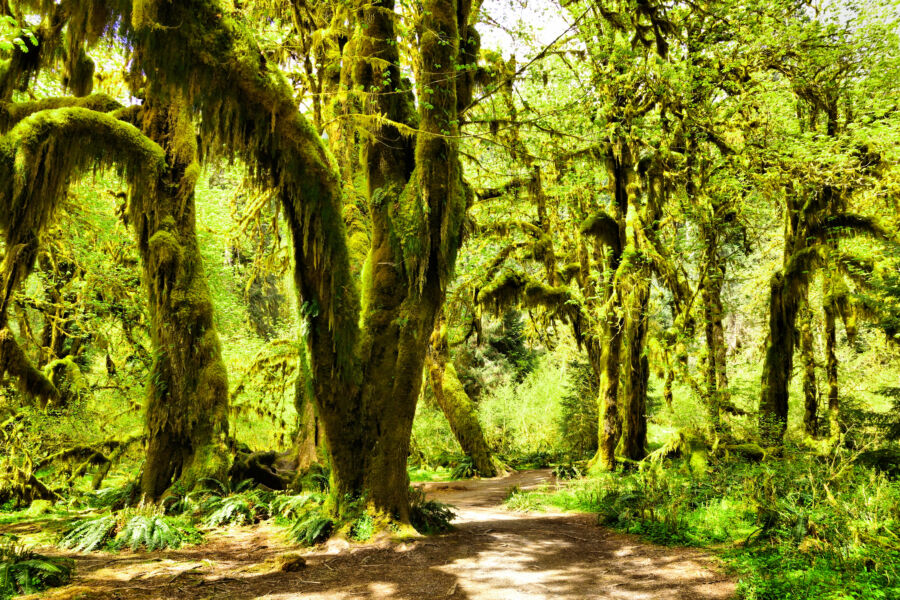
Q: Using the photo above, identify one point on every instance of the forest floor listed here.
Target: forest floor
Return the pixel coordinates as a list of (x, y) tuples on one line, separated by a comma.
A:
[(493, 554)]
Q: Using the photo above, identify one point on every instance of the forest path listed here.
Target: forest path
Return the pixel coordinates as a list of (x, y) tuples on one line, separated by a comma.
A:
[(493, 554)]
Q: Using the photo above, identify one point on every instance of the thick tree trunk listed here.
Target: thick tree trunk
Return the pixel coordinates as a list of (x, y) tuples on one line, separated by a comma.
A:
[(307, 440), (637, 376), (188, 392), (366, 379), (460, 411)]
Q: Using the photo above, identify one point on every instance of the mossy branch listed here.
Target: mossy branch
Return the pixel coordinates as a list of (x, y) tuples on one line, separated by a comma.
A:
[(11, 113), (851, 225)]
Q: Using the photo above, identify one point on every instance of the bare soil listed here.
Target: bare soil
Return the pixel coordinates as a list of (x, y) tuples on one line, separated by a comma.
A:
[(493, 554)]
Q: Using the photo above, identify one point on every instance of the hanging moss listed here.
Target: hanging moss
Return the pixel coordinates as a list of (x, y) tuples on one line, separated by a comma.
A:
[(78, 75), (187, 406), (37, 159), (13, 362), (504, 292)]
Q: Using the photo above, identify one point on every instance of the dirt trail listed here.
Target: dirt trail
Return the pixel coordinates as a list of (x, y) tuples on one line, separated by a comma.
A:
[(493, 554)]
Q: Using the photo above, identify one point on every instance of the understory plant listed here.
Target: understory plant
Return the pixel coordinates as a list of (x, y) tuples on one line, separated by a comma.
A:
[(800, 527), (23, 571)]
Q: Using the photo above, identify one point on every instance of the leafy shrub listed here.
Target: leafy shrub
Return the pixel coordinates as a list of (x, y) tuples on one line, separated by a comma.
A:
[(25, 572), (224, 504), (112, 498), (566, 471), (520, 419), (522, 501), (362, 528), (134, 529), (804, 527), (316, 479), (429, 516), (291, 507), (230, 510)]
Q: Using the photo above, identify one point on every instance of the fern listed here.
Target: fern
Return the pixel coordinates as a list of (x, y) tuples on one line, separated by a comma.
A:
[(291, 507), (566, 471), (429, 516), (89, 535), (464, 469), (25, 572), (154, 532), (112, 498), (231, 510), (316, 479), (313, 528)]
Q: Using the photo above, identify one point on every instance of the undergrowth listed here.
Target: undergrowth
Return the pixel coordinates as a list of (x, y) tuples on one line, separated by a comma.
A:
[(799, 528), (23, 571)]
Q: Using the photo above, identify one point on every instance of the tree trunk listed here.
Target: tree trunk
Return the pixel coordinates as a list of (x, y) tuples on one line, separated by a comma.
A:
[(810, 388), (188, 392), (831, 371), (307, 440), (779, 361), (460, 411), (637, 376), (621, 176), (366, 351)]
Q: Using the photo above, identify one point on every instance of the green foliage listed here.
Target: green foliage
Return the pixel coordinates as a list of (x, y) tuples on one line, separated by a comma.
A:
[(567, 471), (464, 469), (316, 479), (805, 527), (141, 528), (231, 510), (520, 501), (293, 506), (362, 528), (510, 342), (519, 419), (313, 527), (90, 534), (112, 498), (577, 421), (152, 532), (429, 516), (23, 571)]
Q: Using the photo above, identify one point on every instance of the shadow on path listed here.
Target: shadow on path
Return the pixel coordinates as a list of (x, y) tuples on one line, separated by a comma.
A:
[(493, 554)]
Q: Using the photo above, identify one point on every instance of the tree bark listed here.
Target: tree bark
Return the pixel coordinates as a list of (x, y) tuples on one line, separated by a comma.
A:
[(831, 371), (366, 351), (187, 401), (460, 411), (634, 405), (621, 176), (810, 387)]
